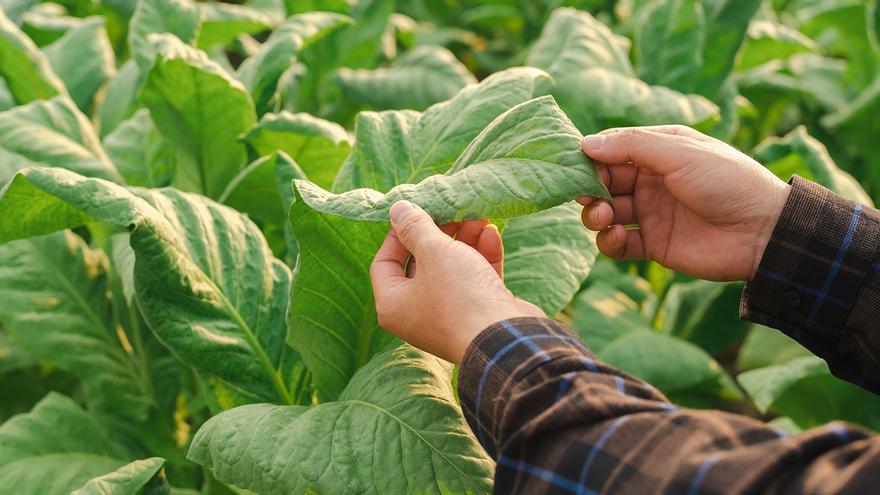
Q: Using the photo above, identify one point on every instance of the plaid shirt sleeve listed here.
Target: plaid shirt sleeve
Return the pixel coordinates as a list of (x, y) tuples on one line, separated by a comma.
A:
[(819, 281), (557, 420)]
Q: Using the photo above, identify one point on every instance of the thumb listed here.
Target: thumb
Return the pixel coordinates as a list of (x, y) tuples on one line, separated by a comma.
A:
[(415, 228), (656, 151)]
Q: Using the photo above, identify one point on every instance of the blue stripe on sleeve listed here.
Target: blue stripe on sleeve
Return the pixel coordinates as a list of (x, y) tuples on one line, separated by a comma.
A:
[(497, 357), (835, 265), (702, 471), (547, 475), (603, 439)]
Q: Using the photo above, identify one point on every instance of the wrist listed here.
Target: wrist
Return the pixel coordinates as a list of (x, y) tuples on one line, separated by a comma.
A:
[(474, 324), (775, 205)]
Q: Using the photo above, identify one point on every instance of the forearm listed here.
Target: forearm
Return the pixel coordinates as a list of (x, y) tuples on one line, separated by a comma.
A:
[(557, 419), (818, 281)]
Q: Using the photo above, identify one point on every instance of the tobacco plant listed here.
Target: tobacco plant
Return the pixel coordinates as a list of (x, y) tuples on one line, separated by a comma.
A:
[(192, 194)]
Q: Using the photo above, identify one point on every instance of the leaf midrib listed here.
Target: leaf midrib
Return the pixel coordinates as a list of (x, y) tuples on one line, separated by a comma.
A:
[(79, 301)]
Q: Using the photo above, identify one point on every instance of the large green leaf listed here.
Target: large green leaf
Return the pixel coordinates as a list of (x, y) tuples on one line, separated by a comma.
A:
[(332, 313), (525, 161), (6, 101), (573, 41), (356, 45), (53, 299), (603, 312), (160, 369), (142, 156), (318, 146), (53, 133), (528, 159), (55, 448), (727, 22), (595, 84), (262, 190), (120, 97), (842, 29), (395, 429), (812, 76), (398, 147), (142, 477), (12, 356), (301, 6), (704, 313), (201, 109), (768, 41), (681, 370), (417, 79), (669, 43), (25, 69), (222, 23), (83, 59), (766, 346), (177, 17), (15, 9), (799, 153), (261, 71), (806, 391), (856, 121), (206, 281), (45, 23), (547, 255)]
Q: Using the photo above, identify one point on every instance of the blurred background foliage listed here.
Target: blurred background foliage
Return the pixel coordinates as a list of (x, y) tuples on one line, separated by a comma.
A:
[(795, 83)]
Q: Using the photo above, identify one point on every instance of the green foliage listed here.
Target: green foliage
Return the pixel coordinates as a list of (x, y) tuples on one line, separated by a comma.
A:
[(804, 390), (192, 194), (77, 449), (432, 72), (406, 398)]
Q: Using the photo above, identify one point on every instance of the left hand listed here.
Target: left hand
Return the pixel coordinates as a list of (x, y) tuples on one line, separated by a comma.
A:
[(451, 289)]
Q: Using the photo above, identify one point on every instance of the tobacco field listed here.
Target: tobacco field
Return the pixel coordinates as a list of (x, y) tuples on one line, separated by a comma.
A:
[(191, 194)]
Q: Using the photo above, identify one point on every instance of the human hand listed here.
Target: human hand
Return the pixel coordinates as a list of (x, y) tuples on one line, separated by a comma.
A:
[(702, 207), (452, 288)]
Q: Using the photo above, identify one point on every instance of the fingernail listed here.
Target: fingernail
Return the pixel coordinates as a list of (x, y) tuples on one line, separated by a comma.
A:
[(594, 141), (401, 210)]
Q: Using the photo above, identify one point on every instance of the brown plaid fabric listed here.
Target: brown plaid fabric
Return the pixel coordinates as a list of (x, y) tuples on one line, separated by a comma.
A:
[(819, 282), (557, 420)]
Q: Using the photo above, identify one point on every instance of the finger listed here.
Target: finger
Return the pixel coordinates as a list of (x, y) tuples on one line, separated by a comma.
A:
[(598, 216), (585, 200), (387, 266), (624, 211), (620, 243), (655, 151), (672, 129), (490, 245), (618, 179), (415, 229), (622, 178), (470, 231), (450, 229)]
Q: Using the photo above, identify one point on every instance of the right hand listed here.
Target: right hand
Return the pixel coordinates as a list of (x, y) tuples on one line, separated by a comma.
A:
[(702, 207)]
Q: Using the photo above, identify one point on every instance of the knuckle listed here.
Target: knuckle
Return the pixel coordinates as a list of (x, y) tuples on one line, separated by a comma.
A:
[(681, 130), (408, 226), (632, 133)]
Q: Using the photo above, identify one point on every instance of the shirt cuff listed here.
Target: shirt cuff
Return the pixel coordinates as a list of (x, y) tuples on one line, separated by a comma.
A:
[(814, 267), (504, 354)]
